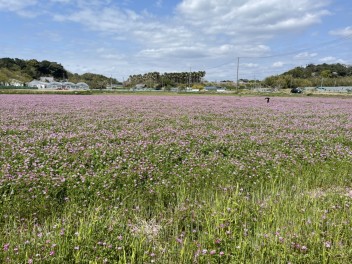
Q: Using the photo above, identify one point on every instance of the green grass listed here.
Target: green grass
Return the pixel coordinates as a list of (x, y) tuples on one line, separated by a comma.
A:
[(300, 220)]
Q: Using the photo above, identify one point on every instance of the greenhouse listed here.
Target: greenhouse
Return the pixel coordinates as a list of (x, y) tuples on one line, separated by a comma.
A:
[(68, 85), (338, 89), (37, 84), (58, 85), (54, 85), (82, 86)]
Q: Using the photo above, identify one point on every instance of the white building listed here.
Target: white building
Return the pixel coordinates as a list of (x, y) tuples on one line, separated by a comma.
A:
[(46, 79)]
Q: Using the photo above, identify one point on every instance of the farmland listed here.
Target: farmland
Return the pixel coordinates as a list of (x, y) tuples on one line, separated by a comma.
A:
[(175, 179)]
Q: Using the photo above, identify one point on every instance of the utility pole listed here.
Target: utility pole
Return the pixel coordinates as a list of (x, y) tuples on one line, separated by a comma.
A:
[(189, 77), (238, 68), (255, 82)]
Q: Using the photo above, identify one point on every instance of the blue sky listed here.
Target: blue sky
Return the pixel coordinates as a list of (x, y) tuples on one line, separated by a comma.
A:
[(120, 38)]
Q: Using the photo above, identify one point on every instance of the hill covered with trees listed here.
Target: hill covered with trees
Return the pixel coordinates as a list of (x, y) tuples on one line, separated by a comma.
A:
[(312, 76), (26, 70)]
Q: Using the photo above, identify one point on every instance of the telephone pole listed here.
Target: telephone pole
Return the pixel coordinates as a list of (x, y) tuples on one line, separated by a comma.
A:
[(238, 68), (189, 77)]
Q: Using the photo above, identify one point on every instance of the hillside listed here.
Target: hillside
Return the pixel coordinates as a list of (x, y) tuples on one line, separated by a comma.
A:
[(323, 70), (26, 70), (313, 75)]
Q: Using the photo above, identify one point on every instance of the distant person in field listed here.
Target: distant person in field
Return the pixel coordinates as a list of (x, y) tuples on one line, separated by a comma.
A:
[(267, 99)]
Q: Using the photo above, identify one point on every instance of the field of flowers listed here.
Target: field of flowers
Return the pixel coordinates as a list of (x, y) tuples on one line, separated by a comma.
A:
[(175, 179)]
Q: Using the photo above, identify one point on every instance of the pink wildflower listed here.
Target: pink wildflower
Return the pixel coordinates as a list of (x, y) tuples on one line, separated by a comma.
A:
[(6, 247)]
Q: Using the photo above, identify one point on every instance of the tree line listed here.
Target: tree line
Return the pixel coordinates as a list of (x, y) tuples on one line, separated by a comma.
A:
[(312, 76), (32, 69), (156, 79), (25, 71)]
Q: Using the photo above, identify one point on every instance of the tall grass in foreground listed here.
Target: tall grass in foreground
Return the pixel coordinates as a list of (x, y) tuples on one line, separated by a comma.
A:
[(142, 179)]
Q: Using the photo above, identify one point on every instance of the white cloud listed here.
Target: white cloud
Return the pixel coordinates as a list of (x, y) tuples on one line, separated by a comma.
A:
[(105, 20), (236, 17), (19, 6), (345, 32), (251, 65), (199, 32), (182, 52), (61, 1), (278, 64), (331, 59), (14, 5), (221, 22), (159, 3), (304, 55), (255, 50)]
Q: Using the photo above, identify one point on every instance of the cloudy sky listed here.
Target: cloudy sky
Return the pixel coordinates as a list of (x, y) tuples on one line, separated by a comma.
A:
[(123, 37)]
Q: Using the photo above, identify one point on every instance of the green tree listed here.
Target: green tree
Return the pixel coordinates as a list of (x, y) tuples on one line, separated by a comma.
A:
[(32, 69), (325, 74)]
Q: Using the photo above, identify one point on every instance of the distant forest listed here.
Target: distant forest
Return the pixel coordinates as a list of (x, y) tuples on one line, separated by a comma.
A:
[(27, 70), (309, 76), (158, 80), (312, 76)]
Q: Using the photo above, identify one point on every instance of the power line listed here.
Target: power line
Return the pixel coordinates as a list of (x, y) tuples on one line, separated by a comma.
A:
[(321, 45), (218, 66), (327, 43)]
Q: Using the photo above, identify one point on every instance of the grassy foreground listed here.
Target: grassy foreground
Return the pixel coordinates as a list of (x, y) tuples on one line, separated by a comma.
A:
[(175, 179)]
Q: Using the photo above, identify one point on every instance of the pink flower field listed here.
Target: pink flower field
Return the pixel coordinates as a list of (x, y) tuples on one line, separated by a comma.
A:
[(175, 179)]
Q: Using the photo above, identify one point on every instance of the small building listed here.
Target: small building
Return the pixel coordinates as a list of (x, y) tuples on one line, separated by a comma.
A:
[(140, 86), (37, 84), (221, 90), (264, 90), (192, 90), (175, 89), (46, 79), (211, 88)]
